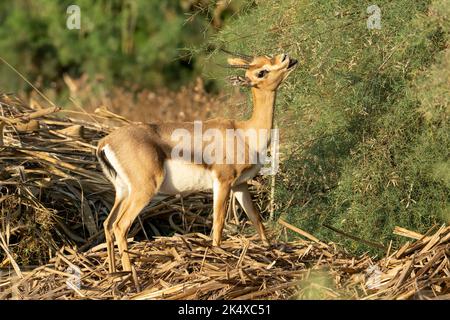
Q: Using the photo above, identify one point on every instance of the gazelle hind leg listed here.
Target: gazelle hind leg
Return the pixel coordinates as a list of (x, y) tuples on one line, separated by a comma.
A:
[(131, 209), (109, 234), (121, 193), (243, 196), (134, 203)]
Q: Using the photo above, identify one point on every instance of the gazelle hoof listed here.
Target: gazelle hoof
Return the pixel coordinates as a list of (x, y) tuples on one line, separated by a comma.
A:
[(266, 243)]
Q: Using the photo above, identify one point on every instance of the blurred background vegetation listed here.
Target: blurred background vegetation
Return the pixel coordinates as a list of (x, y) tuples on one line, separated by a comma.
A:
[(364, 119), (127, 43)]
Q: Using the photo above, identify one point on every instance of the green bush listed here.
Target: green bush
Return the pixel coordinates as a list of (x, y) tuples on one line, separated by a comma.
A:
[(364, 119), (128, 43)]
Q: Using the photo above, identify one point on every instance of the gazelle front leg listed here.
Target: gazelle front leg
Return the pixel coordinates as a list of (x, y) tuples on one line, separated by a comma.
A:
[(243, 196), (221, 192)]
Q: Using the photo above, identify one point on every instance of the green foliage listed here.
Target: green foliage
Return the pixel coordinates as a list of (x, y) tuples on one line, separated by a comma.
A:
[(128, 43), (364, 119)]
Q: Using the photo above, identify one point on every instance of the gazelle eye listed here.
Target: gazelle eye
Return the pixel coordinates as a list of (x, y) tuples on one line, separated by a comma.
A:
[(262, 73)]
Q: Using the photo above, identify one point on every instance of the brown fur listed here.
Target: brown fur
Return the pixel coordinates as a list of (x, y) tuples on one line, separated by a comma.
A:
[(142, 149)]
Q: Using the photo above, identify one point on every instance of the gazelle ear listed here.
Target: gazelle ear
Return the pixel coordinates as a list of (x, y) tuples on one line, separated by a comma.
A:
[(240, 81), (237, 62)]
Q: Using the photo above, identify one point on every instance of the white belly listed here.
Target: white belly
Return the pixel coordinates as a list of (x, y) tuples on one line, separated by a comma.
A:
[(181, 177)]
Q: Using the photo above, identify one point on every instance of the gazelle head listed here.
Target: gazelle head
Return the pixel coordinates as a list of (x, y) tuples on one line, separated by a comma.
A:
[(262, 72)]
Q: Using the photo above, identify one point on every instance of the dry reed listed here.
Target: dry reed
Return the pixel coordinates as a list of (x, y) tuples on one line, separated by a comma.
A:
[(53, 200)]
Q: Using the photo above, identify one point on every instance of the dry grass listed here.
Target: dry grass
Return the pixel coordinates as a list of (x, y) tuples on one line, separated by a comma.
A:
[(49, 175), (53, 200), (179, 267), (418, 270), (188, 267), (189, 103), (53, 193)]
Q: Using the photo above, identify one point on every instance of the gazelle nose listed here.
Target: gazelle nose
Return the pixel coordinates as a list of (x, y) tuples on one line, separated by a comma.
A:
[(284, 57)]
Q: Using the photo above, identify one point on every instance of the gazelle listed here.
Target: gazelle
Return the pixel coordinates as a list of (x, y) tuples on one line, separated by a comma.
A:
[(138, 159)]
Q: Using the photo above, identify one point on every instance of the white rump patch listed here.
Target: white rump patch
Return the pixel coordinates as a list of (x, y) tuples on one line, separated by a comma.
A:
[(121, 182)]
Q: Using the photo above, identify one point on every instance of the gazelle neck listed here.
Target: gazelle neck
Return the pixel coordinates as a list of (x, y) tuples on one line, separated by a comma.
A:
[(263, 108)]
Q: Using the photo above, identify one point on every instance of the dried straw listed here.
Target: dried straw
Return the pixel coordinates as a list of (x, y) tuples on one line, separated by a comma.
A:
[(53, 193), (54, 199)]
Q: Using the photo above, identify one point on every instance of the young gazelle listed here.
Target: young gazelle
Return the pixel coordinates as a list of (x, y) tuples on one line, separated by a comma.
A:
[(139, 161)]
